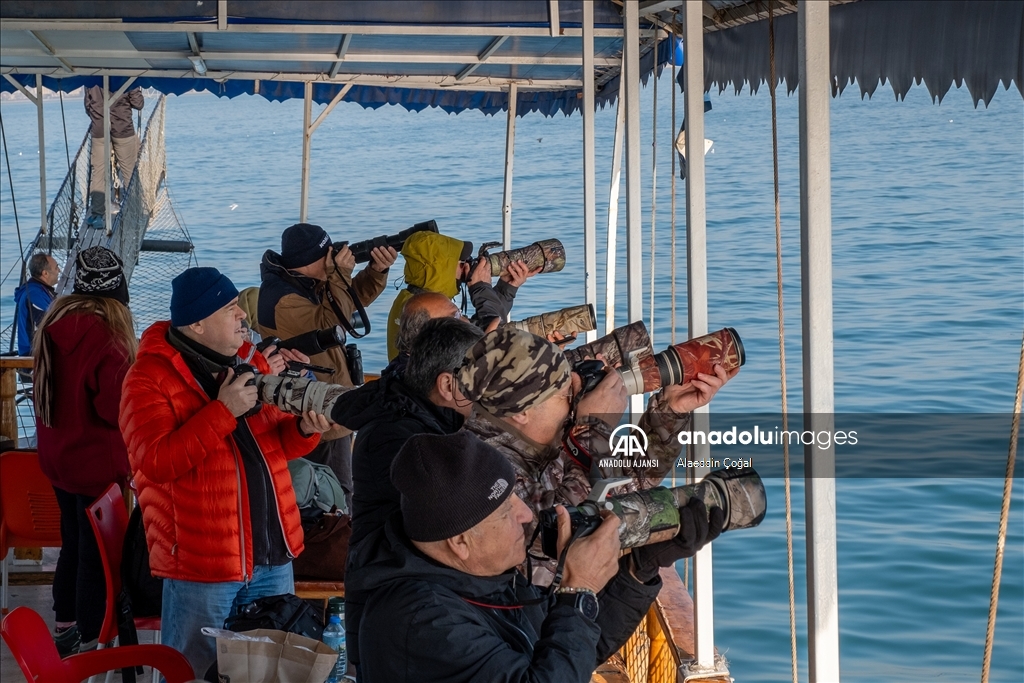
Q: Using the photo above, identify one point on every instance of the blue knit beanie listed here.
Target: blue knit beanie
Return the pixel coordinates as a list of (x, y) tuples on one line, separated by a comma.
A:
[(197, 293)]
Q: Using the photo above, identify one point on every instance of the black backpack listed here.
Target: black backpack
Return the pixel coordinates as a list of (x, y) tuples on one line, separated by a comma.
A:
[(144, 590), (285, 612)]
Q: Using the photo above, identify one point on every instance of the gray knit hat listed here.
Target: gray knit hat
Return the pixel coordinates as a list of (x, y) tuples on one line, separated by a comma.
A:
[(449, 484)]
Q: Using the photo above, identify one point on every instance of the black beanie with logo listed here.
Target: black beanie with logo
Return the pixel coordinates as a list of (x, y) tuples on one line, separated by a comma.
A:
[(303, 244), (449, 484)]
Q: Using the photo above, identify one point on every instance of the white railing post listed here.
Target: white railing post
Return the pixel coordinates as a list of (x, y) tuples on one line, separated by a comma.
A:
[(589, 185), (613, 213), (510, 152), (697, 304), (634, 217), (307, 135), (108, 179), (42, 154), (816, 303)]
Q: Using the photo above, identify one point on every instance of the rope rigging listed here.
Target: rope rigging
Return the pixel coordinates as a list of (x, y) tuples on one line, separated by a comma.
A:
[(17, 224), (782, 337), (1004, 518)]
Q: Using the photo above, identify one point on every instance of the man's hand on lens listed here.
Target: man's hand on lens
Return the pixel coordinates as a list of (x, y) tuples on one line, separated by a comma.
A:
[(275, 359), (381, 258), (518, 273), (313, 423), (698, 526), (481, 272), (343, 258), (560, 340), (593, 560), (234, 393), (685, 398), (607, 400)]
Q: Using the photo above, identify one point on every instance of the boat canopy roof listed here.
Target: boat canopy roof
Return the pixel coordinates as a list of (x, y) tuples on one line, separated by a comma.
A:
[(465, 55)]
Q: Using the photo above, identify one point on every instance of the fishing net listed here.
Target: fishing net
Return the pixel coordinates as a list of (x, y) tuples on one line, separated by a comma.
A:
[(146, 233)]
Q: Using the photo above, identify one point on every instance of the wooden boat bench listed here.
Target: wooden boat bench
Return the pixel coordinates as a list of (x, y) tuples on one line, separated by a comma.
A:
[(319, 590)]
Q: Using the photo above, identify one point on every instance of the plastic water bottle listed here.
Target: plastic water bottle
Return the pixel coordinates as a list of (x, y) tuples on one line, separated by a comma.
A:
[(334, 638)]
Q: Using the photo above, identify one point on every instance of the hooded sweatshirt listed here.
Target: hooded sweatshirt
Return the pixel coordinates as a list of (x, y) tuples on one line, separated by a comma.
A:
[(30, 303), (425, 621), (431, 265), (83, 453)]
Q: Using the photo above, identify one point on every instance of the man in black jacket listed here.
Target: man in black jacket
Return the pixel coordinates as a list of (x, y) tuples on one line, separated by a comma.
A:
[(446, 602), (423, 399)]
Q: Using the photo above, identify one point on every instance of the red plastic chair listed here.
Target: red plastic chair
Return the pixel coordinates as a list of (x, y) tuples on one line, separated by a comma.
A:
[(29, 515), (32, 646), (109, 521)]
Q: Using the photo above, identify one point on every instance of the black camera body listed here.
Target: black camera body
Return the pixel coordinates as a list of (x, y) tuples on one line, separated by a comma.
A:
[(580, 517), (591, 373), (361, 250)]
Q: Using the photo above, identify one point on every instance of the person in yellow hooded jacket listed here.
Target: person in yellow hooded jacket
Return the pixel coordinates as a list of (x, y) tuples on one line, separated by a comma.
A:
[(438, 263)]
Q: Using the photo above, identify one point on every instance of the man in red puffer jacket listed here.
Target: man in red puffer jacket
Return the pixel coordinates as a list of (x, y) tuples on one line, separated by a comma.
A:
[(210, 464)]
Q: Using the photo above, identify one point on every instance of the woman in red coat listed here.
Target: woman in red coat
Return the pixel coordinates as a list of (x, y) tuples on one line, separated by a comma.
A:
[(85, 344)]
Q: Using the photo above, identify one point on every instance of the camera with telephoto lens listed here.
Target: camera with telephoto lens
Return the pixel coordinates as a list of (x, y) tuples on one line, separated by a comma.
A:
[(566, 321), (361, 250), (652, 515), (291, 392), (548, 255), (629, 351), (309, 343)]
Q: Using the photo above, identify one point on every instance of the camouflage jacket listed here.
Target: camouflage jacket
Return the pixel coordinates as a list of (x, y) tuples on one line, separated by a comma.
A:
[(547, 475)]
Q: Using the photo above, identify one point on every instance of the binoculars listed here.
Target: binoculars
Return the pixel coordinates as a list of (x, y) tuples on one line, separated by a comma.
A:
[(652, 515), (568, 321), (628, 349), (361, 250), (548, 255)]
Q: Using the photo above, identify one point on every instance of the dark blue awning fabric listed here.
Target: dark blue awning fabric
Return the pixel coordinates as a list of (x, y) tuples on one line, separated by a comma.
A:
[(979, 43)]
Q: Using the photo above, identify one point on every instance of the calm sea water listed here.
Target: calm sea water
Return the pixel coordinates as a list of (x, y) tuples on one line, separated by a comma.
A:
[(928, 259)]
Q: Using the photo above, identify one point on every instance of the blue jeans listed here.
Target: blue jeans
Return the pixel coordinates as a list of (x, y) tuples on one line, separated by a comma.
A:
[(189, 606)]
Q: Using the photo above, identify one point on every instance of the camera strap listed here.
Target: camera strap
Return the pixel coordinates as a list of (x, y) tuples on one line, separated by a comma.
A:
[(559, 568), (342, 318), (575, 450)]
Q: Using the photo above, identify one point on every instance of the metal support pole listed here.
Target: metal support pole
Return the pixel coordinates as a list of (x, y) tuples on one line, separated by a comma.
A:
[(697, 299), (613, 213), (510, 151), (307, 135), (42, 153), (589, 186), (654, 189), (816, 304), (109, 181), (634, 217)]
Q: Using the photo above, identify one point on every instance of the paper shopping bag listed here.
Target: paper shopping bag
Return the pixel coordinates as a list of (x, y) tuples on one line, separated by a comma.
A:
[(267, 656)]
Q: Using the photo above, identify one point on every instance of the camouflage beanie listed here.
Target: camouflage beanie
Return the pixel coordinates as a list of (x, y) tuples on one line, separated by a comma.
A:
[(509, 370)]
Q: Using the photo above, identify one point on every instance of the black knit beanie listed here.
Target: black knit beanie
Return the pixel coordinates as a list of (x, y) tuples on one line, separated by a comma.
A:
[(449, 484), (302, 244), (99, 272)]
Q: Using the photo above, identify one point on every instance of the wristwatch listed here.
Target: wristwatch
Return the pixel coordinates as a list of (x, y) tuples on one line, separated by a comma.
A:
[(582, 600)]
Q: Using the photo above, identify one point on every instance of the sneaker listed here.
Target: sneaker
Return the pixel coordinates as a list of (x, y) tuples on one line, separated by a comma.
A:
[(67, 641), (95, 221)]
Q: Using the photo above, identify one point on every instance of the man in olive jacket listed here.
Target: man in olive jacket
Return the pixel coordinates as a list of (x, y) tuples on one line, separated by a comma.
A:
[(310, 286)]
